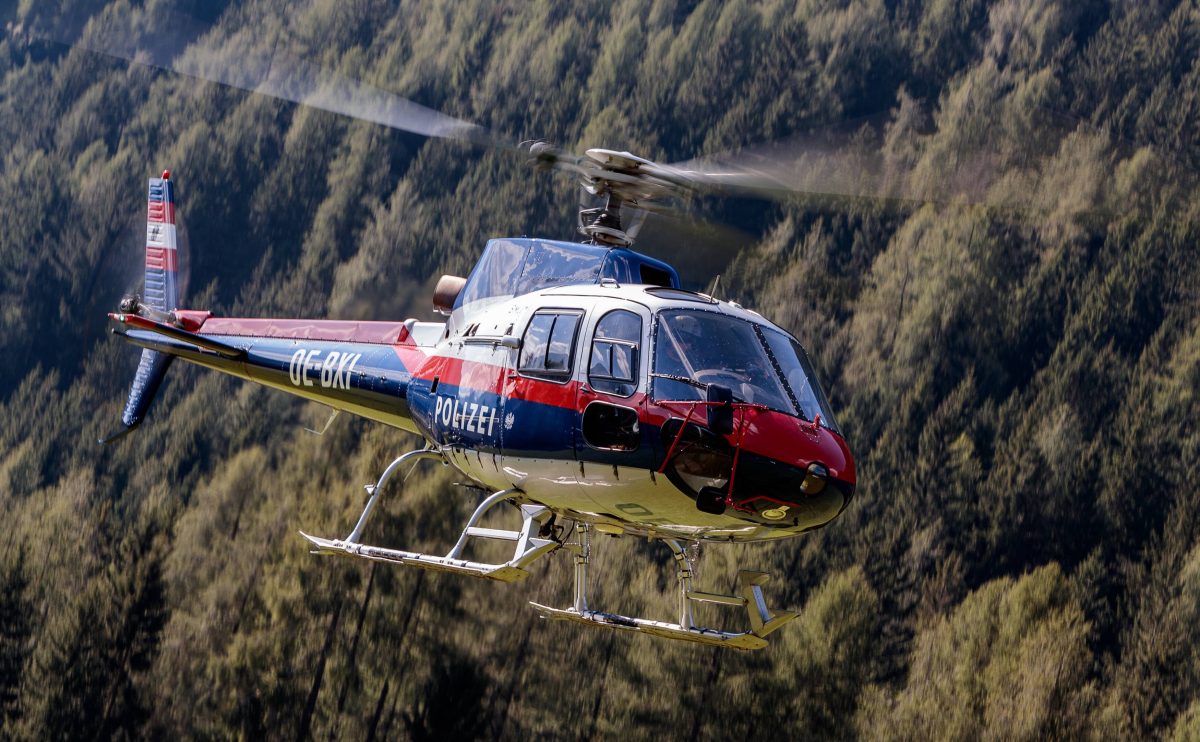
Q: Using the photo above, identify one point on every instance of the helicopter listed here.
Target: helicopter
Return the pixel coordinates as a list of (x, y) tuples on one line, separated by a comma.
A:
[(578, 383), (575, 381)]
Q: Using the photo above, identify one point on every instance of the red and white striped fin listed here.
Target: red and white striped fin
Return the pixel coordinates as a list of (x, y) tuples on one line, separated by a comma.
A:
[(162, 258)]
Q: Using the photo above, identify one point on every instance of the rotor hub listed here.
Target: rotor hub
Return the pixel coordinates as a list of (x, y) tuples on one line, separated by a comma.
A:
[(621, 178)]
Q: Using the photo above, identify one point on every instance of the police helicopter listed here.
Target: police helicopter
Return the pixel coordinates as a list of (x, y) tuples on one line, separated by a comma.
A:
[(577, 382)]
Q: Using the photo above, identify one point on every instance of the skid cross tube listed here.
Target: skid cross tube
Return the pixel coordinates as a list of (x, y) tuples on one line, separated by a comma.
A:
[(683, 572), (529, 546), (582, 556), (373, 489)]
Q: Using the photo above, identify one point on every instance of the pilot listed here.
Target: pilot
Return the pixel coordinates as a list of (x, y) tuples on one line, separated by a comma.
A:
[(686, 332), (669, 361), (689, 332)]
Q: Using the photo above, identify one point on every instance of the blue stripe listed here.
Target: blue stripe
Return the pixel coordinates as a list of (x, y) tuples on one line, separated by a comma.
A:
[(161, 191), (537, 430)]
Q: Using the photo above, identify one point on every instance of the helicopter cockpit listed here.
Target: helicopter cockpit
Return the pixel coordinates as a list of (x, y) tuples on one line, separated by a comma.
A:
[(760, 365)]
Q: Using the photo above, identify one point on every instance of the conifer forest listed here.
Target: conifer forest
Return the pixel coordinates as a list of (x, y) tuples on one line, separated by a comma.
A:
[(995, 271)]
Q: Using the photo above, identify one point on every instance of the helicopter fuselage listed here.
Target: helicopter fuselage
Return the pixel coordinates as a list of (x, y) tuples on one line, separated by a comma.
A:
[(564, 394)]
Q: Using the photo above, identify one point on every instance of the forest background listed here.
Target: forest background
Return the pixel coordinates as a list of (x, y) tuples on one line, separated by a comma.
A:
[(1015, 362)]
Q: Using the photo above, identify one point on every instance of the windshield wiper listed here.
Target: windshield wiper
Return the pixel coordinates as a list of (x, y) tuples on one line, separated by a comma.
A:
[(680, 379), (691, 382)]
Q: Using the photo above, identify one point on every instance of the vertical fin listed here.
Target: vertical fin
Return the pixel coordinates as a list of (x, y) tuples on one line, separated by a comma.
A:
[(161, 292), (162, 262), (149, 377)]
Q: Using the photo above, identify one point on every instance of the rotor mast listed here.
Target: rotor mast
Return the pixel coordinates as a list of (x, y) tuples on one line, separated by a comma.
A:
[(603, 224), (621, 178)]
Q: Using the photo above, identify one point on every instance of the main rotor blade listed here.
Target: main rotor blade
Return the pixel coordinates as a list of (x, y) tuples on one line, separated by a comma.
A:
[(855, 170), (192, 50), (888, 162)]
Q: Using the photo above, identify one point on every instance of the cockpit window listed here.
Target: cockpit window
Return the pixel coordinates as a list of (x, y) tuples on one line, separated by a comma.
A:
[(512, 267), (695, 348), (553, 265), (493, 275), (798, 374)]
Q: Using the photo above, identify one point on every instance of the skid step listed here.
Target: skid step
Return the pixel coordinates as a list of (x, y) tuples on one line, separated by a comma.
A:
[(654, 628)]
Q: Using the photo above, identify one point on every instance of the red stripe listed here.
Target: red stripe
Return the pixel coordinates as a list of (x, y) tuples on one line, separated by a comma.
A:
[(158, 212), (162, 258), (412, 356), (487, 377), (768, 433)]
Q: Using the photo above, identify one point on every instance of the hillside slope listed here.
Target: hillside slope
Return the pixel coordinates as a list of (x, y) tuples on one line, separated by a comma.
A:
[(1020, 385)]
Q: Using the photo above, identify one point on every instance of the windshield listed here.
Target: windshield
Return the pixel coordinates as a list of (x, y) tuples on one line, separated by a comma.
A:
[(798, 375), (693, 349)]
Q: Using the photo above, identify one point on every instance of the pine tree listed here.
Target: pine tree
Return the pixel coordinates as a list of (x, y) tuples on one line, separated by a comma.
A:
[(16, 626), (84, 680)]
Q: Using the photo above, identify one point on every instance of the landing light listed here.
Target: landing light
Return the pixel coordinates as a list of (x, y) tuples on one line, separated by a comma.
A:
[(814, 480)]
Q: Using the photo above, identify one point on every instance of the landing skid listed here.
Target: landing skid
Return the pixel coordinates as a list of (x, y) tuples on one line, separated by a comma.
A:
[(654, 628), (528, 547), (531, 544), (762, 620)]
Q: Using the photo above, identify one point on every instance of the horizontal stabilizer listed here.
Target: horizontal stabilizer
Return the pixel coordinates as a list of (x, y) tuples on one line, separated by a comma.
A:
[(176, 333)]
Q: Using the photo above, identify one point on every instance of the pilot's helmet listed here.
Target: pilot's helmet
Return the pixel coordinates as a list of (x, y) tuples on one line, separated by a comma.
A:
[(688, 326)]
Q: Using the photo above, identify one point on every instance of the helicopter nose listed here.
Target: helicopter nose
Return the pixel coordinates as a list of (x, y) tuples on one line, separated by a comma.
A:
[(776, 471), (791, 473), (777, 493)]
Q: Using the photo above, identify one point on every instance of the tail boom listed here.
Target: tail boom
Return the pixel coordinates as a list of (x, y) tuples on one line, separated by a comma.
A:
[(360, 367)]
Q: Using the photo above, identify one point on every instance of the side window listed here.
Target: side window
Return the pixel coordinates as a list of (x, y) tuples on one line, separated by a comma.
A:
[(548, 345), (613, 366)]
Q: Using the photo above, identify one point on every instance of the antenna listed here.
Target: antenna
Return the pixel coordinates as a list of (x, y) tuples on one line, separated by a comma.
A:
[(712, 290)]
